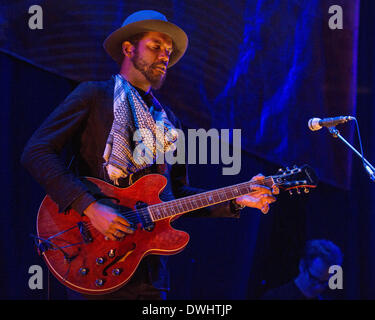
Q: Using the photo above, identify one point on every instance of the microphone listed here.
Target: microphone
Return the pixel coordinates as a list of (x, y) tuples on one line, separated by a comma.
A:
[(317, 123)]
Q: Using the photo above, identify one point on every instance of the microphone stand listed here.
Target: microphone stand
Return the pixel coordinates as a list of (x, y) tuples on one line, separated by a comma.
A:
[(369, 168)]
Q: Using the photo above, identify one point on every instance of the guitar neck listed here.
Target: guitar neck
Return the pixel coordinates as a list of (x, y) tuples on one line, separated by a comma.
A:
[(183, 205)]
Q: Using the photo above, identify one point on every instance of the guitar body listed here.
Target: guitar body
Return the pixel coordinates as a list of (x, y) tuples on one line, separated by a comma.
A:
[(82, 259)]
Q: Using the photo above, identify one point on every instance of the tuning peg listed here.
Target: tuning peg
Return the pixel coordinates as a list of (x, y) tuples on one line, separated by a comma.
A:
[(298, 191), (296, 169), (306, 190), (291, 192)]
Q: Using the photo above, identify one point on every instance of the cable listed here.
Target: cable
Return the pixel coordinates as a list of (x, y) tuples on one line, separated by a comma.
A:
[(365, 165), (360, 141)]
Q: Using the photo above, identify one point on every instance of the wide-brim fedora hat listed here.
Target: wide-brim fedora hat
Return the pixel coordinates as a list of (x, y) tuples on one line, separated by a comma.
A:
[(143, 21)]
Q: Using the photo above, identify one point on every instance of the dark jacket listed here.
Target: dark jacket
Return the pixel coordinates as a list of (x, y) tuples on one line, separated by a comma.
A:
[(83, 121)]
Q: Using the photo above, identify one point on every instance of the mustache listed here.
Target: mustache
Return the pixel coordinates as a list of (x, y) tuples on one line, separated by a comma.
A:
[(159, 64)]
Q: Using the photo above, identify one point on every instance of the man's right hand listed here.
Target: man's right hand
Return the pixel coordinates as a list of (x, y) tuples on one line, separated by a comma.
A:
[(107, 221)]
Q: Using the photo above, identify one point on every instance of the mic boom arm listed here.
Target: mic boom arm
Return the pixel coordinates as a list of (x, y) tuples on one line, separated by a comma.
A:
[(369, 168)]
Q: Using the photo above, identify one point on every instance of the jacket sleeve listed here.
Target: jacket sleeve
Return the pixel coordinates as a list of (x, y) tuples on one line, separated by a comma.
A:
[(42, 153)]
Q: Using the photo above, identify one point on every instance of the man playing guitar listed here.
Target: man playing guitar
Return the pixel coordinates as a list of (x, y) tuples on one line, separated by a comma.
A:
[(90, 119)]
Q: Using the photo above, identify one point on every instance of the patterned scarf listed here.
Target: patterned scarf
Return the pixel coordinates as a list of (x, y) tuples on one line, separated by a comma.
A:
[(139, 135)]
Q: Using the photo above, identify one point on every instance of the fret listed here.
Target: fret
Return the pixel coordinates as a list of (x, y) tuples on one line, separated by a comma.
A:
[(210, 199), (200, 202), (242, 190), (215, 197), (205, 202), (227, 194), (188, 205), (161, 213), (180, 207), (194, 203), (235, 191), (200, 205), (223, 195), (192, 207), (184, 206), (172, 209), (247, 188), (175, 208), (151, 211), (169, 209), (156, 213), (162, 209), (204, 199)]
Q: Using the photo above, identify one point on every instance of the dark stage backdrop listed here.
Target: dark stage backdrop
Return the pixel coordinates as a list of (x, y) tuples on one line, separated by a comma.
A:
[(263, 66)]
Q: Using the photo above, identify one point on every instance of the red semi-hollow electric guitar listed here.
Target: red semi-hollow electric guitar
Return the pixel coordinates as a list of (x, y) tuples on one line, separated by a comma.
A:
[(80, 257)]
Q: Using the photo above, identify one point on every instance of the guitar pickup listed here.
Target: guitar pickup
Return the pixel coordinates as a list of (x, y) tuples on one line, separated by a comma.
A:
[(85, 233)]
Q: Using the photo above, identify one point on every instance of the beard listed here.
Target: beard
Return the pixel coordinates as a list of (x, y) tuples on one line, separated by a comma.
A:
[(155, 78)]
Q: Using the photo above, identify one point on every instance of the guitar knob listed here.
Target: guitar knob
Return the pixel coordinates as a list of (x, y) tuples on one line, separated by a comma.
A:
[(83, 271), (99, 260), (111, 253), (298, 191), (291, 192), (116, 272), (99, 282), (306, 190)]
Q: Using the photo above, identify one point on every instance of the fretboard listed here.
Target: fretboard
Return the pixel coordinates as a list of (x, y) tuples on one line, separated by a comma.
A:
[(179, 206)]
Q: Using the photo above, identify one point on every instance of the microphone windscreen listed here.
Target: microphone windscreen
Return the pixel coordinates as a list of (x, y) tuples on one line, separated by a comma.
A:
[(314, 124)]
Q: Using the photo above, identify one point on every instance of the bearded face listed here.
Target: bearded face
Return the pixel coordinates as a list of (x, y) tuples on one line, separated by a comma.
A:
[(148, 54), (154, 72)]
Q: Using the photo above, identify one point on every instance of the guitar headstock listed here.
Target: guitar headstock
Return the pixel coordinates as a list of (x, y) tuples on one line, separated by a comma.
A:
[(297, 178)]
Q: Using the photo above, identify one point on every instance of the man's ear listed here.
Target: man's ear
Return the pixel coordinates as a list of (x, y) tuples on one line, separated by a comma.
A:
[(127, 49)]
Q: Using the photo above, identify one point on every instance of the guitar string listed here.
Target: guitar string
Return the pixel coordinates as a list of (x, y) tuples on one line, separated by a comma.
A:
[(178, 203), (144, 213)]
